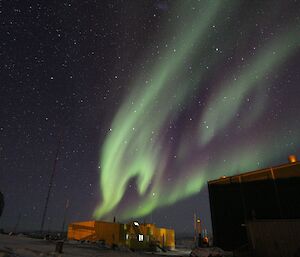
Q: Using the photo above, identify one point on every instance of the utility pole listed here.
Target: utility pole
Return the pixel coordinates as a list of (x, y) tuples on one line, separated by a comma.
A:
[(50, 184), (199, 233), (65, 215), (195, 230)]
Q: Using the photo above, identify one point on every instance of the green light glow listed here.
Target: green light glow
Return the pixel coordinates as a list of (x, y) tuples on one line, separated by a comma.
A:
[(225, 105), (134, 148)]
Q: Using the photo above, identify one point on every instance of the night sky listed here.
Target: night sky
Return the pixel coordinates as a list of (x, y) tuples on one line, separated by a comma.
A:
[(145, 101)]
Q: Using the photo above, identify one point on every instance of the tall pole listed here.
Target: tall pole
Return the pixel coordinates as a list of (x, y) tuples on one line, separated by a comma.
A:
[(50, 184), (65, 215), (195, 230), (199, 232)]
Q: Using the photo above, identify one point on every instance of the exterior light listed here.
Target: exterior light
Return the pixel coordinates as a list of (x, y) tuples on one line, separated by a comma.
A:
[(292, 158)]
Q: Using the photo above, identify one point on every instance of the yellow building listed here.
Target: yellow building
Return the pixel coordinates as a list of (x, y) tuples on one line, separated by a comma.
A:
[(133, 235), (164, 238), (110, 233)]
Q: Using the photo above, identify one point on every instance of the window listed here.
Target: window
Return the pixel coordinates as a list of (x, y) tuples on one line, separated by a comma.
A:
[(141, 237)]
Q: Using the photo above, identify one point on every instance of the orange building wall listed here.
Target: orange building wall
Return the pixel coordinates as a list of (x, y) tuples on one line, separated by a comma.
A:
[(82, 231), (165, 237), (96, 231), (115, 233), (109, 232)]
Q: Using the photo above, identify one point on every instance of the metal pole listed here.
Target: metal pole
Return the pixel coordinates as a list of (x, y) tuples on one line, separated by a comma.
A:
[(65, 215), (50, 185), (195, 230)]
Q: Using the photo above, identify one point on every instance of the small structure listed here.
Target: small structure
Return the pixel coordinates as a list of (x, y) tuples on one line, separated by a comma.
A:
[(132, 235), (267, 194)]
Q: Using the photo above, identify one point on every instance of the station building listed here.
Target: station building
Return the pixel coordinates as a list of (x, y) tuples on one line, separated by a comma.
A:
[(267, 195), (132, 235)]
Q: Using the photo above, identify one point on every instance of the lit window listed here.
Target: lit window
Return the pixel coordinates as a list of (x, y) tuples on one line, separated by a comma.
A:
[(141, 238)]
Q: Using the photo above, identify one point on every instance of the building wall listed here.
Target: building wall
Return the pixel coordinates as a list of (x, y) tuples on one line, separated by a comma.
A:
[(82, 231), (143, 236), (227, 216), (1, 203), (166, 238), (274, 238), (163, 236), (110, 233), (272, 193)]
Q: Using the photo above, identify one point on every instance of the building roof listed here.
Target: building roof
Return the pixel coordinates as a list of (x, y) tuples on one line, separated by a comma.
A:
[(282, 171)]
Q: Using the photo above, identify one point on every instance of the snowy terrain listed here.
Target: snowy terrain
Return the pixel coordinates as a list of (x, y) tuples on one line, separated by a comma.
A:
[(22, 246)]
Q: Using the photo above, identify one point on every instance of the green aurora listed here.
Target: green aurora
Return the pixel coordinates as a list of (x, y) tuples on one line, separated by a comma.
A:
[(136, 146)]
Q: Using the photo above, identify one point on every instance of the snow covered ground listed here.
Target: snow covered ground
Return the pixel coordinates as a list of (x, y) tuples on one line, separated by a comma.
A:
[(22, 246)]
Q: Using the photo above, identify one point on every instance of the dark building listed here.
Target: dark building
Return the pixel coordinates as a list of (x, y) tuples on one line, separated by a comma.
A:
[(1, 203), (267, 194)]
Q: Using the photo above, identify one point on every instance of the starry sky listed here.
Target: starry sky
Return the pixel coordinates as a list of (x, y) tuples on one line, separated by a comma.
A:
[(145, 101)]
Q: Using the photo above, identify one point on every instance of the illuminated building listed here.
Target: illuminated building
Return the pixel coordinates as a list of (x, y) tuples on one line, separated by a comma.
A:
[(133, 235)]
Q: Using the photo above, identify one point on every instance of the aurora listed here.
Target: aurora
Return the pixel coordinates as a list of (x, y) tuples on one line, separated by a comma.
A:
[(139, 145)]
